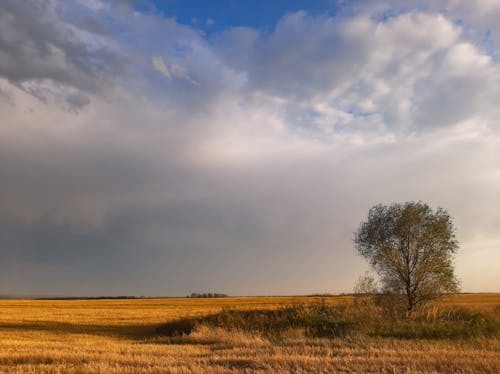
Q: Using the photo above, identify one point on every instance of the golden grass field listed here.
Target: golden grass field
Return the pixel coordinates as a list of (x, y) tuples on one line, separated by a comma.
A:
[(118, 336)]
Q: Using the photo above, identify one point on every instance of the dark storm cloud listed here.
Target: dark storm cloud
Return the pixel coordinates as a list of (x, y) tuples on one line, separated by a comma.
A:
[(36, 45), (47, 241)]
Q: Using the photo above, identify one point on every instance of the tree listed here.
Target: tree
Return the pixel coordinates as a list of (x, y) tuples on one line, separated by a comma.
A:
[(366, 284), (411, 247)]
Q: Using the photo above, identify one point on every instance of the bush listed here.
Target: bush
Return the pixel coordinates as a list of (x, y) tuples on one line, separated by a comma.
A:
[(179, 327), (443, 324), (317, 320), (391, 306), (363, 317)]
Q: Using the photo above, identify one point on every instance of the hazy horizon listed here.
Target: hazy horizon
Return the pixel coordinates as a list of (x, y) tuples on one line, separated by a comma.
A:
[(167, 147)]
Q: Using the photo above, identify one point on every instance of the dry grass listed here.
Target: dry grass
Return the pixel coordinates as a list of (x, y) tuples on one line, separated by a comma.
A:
[(119, 336)]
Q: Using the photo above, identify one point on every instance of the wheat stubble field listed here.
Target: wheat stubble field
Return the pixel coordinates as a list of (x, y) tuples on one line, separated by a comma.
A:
[(120, 336)]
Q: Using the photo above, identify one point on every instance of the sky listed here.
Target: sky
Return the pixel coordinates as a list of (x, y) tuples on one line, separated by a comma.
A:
[(169, 147)]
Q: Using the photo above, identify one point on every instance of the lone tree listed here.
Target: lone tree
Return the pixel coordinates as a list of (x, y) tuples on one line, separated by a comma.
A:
[(411, 247)]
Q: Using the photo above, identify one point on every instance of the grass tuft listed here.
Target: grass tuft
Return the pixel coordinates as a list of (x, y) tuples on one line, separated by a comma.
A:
[(321, 320)]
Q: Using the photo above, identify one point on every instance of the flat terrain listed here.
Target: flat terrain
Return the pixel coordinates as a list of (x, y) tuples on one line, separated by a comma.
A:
[(119, 336)]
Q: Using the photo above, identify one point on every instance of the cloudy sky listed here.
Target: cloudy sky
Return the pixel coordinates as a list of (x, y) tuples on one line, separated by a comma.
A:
[(161, 148)]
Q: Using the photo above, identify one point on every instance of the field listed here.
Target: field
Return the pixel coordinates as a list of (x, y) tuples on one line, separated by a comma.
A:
[(120, 336)]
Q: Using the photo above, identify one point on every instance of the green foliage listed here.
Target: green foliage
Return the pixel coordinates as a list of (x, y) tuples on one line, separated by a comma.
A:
[(363, 317), (411, 247), (178, 327), (451, 324), (317, 320)]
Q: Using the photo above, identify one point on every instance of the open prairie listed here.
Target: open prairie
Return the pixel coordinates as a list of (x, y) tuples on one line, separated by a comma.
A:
[(120, 336)]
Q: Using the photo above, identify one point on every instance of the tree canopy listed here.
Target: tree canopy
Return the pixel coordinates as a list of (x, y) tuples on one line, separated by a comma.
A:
[(411, 247)]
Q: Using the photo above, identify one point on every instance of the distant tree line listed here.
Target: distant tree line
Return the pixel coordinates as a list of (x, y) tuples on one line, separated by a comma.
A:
[(86, 297), (196, 295)]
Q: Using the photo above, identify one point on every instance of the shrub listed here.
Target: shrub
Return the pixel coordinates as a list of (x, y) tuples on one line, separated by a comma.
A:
[(363, 317), (183, 326), (442, 324), (317, 320)]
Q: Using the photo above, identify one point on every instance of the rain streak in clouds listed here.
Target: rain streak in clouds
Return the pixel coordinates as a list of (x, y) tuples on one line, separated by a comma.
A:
[(139, 155)]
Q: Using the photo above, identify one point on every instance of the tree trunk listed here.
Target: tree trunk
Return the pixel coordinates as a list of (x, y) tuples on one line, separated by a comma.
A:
[(411, 304)]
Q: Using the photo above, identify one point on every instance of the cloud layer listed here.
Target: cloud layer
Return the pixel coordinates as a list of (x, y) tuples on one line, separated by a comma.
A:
[(140, 156)]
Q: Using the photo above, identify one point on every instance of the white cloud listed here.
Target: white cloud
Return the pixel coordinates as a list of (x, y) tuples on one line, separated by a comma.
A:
[(160, 66), (377, 69)]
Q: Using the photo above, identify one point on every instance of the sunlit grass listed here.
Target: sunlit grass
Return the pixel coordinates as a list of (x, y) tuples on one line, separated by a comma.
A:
[(119, 336)]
